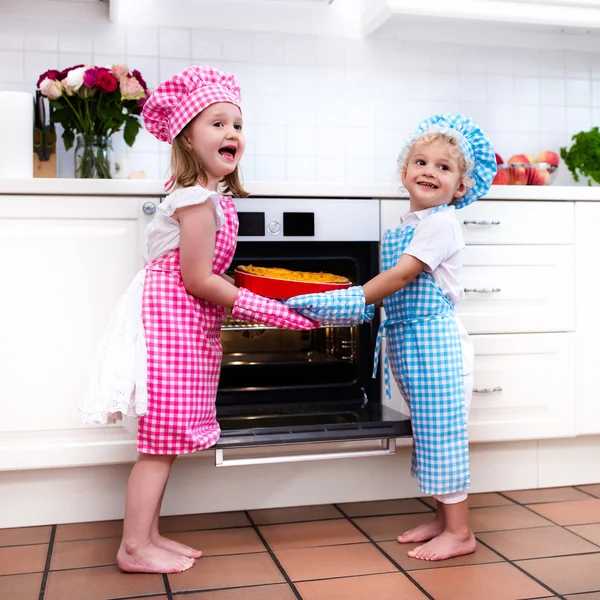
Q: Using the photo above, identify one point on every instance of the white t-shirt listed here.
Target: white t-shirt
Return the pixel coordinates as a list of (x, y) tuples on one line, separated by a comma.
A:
[(438, 241)]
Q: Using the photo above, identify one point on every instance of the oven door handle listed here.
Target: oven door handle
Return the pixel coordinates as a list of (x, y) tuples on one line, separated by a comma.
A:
[(388, 447)]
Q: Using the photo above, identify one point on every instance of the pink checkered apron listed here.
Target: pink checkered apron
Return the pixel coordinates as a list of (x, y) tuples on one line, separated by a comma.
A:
[(184, 352)]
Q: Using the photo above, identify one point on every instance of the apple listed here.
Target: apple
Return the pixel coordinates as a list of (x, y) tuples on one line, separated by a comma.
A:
[(501, 177), (518, 169), (538, 176), (499, 160), (548, 157)]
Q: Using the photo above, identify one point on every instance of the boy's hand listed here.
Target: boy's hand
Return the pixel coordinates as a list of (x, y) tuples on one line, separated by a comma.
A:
[(340, 307)]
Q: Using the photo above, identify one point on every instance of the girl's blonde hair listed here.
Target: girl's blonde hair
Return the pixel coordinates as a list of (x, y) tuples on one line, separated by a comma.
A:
[(187, 170), (429, 137)]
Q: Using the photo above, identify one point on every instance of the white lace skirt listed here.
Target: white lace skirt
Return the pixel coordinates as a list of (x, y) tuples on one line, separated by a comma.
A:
[(117, 386)]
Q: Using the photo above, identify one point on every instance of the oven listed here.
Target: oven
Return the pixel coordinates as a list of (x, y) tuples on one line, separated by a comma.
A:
[(281, 387)]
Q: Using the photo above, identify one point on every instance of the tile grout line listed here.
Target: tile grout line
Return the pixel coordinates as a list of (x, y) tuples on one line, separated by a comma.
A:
[(167, 585), (529, 575), (585, 492), (47, 565), (273, 557), (382, 551)]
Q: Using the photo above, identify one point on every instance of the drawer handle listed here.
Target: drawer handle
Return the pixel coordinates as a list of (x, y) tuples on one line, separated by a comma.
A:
[(487, 390), (483, 290), (484, 222)]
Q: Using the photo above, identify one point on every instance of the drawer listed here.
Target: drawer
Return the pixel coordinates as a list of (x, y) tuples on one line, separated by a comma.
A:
[(524, 387), (502, 222), (518, 289), (518, 222)]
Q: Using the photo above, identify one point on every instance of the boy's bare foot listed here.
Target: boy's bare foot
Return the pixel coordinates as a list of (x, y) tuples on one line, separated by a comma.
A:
[(446, 545), (150, 559), (422, 533), (175, 547)]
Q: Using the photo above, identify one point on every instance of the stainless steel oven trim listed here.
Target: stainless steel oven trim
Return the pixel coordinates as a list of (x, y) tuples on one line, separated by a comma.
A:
[(388, 447)]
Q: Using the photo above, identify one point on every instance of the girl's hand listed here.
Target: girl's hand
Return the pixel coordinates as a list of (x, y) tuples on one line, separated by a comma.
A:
[(253, 308), (339, 307)]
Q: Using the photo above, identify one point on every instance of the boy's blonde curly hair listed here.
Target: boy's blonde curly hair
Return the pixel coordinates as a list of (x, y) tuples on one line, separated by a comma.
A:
[(431, 136)]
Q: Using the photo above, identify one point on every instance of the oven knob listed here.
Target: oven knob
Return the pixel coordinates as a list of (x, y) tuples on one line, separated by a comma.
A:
[(149, 208), (274, 227)]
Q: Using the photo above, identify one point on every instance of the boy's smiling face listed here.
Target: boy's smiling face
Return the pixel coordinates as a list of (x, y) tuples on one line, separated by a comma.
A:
[(432, 176)]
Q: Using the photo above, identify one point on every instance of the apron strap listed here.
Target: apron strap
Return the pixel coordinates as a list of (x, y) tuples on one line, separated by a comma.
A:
[(386, 361)]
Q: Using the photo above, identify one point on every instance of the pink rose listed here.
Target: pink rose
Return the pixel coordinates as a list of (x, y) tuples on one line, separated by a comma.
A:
[(139, 77), (106, 81), (51, 88), (119, 70), (90, 77), (131, 89)]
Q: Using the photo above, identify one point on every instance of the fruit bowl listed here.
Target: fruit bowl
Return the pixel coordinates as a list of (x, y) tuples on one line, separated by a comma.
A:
[(529, 173), (522, 170)]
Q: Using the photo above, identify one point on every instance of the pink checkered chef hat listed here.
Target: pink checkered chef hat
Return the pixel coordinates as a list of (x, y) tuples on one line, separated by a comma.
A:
[(175, 102)]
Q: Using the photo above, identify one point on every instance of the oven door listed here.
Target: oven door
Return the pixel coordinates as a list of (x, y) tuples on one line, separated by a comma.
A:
[(285, 388)]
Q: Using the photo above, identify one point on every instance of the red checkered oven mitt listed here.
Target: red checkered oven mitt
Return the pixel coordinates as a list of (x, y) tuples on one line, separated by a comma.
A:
[(253, 308)]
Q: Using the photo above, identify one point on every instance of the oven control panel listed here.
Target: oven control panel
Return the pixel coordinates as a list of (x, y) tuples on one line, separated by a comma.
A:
[(308, 219)]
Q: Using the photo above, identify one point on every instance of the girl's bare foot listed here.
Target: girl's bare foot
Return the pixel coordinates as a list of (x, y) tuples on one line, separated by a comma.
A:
[(175, 547), (150, 559), (422, 533), (446, 545)]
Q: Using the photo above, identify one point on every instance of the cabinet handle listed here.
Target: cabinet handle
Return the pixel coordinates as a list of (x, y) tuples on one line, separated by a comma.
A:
[(487, 390), (149, 208), (483, 290), (484, 222)]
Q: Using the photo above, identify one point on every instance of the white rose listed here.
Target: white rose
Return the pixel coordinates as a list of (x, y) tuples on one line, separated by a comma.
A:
[(75, 78), (51, 89)]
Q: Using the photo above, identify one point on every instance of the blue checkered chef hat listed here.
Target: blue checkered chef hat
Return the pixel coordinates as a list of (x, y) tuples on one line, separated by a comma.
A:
[(475, 145)]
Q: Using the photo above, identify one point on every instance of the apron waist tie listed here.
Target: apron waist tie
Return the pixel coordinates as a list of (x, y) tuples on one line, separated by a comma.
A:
[(381, 333)]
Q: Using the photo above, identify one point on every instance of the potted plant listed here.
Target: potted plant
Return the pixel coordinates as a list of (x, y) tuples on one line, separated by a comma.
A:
[(583, 157), (92, 103)]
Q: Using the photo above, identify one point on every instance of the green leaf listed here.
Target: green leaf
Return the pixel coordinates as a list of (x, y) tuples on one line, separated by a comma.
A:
[(132, 126), (68, 138)]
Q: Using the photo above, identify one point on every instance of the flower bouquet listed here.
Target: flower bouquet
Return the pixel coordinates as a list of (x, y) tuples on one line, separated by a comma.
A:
[(91, 104)]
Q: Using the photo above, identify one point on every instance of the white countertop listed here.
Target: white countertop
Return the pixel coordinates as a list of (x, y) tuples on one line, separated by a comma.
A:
[(152, 187)]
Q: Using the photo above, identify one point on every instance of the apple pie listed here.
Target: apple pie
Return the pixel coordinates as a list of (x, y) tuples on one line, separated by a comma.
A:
[(307, 276)]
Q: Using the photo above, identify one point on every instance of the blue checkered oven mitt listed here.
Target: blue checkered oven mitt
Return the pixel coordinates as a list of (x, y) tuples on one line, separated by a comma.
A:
[(339, 307)]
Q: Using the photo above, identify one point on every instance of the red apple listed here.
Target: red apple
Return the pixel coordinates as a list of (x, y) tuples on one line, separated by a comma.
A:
[(518, 169), (538, 175), (548, 157), (501, 177), (499, 160)]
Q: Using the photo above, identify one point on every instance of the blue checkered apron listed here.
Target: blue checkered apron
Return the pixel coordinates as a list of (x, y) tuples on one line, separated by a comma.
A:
[(425, 357)]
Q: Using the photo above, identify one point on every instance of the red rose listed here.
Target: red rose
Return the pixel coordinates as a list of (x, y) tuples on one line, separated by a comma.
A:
[(106, 81), (51, 74)]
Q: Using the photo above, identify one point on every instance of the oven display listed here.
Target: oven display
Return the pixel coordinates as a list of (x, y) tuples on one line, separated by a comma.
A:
[(251, 224), (296, 224)]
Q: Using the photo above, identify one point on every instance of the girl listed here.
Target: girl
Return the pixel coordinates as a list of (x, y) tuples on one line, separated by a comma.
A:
[(160, 358), (447, 164)]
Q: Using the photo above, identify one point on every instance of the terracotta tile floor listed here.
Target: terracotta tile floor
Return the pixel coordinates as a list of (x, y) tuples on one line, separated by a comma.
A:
[(533, 544)]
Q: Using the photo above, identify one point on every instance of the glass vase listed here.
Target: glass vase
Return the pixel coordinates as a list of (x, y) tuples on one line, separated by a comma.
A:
[(92, 157)]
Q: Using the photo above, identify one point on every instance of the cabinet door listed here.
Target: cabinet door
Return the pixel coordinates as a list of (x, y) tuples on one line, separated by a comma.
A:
[(518, 289), (587, 310), (66, 262), (523, 387)]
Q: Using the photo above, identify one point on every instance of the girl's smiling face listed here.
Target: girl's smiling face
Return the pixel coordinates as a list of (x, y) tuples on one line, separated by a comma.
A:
[(217, 137), (432, 176)]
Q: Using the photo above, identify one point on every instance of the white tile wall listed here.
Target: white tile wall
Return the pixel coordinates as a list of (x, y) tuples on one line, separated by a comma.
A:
[(326, 108)]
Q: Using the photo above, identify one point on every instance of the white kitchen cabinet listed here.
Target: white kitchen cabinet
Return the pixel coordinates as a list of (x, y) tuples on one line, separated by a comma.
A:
[(587, 311), (535, 15), (73, 258)]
